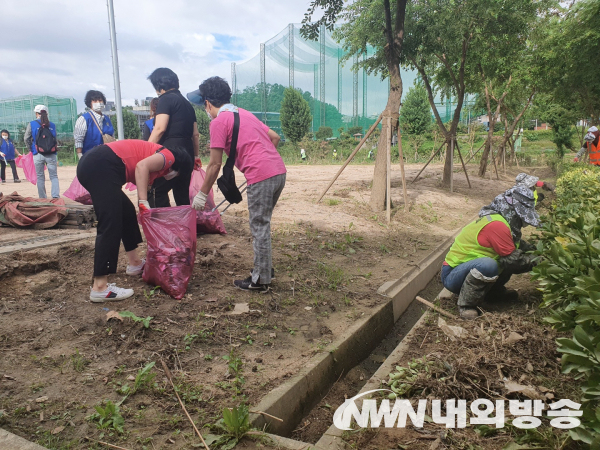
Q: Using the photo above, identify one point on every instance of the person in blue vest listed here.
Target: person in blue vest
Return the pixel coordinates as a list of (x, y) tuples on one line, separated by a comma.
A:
[(40, 136), (92, 125), (149, 124), (8, 153)]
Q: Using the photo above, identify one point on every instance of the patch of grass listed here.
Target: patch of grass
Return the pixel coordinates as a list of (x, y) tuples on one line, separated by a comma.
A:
[(235, 366), (136, 319), (333, 277), (332, 202), (78, 361)]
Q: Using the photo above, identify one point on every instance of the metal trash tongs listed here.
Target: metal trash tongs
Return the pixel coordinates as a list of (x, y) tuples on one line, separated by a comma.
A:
[(241, 192)]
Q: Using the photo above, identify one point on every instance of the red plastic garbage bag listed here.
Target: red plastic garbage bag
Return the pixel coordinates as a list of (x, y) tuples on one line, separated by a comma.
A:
[(171, 237), (78, 193), (207, 221), (26, 163)]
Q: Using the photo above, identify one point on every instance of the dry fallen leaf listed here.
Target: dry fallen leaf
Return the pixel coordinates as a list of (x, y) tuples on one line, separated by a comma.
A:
[(240, 308), (453, 332), (211, 299), (41, 399), (272, 335), (8, 377), (130, 378), (528, 391), (529, 367), (513, 337), (113, 315), (308, 308), (42, 416), (57, 430)]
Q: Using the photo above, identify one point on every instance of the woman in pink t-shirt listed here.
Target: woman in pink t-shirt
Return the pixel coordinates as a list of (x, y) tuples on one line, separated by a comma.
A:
[(257, 158)]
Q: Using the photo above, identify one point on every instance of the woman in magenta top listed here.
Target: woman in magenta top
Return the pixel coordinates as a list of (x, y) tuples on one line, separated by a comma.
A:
[(103, 171), (257, 158)]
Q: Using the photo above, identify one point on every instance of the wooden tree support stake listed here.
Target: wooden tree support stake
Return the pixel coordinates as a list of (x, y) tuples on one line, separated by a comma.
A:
[(463, 164), (262, 413), (169, 377), (352, 155), (475, 154), (389, 171), (402, 170), (105, 443), (427, 163), (436, 309)]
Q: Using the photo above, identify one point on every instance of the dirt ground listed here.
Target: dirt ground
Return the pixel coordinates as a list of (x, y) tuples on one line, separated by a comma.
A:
[(61, 357)]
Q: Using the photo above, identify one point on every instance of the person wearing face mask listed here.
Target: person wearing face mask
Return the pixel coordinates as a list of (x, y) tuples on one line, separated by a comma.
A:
[(92, 127), (149, 124), (103, 172), (174, 126), (592, 144), (8, 153), (256, 157), (40, 136)]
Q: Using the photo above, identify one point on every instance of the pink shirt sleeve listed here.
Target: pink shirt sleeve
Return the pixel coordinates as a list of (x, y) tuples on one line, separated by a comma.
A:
[(218, 133)]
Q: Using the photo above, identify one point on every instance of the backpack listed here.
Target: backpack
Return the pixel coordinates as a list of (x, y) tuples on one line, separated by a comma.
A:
[(45, 142)]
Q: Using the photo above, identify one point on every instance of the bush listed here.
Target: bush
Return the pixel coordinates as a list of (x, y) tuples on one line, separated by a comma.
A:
[(539, 135), (324, 133), (570, 280)]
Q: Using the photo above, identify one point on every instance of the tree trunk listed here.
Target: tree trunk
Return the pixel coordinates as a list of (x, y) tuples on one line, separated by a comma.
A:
[(378, 191)]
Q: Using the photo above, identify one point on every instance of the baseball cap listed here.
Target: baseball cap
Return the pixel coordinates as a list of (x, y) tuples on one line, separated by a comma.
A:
[(39, 108)]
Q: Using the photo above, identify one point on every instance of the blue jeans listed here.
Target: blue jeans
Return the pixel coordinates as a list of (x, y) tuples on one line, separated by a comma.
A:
[(40, 161), (453, 278)]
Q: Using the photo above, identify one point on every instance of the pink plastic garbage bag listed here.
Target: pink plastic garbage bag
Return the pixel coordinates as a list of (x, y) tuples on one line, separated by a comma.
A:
[(78, 193), (130, 187), (171, 238), (207, 221), (26, 163)]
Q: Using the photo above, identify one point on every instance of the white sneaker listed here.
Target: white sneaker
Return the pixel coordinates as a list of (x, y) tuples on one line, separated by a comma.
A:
[(110, 294), (136, 270)]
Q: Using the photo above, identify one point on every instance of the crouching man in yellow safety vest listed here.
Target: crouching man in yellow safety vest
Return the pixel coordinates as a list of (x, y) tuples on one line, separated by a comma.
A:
[(484, 255)]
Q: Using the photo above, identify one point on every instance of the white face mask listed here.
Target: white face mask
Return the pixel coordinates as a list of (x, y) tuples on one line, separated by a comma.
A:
[(98, 106), (172, 174), (5, 137)]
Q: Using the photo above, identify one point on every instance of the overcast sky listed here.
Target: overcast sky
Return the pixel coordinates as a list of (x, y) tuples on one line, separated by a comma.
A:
[(62, 47)]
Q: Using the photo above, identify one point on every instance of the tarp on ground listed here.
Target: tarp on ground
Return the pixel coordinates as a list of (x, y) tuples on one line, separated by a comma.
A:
[(28, 212)]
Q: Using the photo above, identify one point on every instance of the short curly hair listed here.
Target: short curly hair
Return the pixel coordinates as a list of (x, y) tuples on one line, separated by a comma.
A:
[(93, 95), (215, 90)]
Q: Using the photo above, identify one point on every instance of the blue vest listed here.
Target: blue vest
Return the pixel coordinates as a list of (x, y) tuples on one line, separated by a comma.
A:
[(8, 148), (35, 126), (150, 124), (93, 137)]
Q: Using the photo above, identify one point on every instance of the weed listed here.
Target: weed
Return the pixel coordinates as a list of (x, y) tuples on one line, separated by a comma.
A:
[(78, 361), (347, 301), (234, 424), (143, 379), (36, 387), (383, 249), (120, 369), (208, 357), (235, 367), (136, 319), (248, 339), (108, 418), (188, 339), (332, 202), (149, 294)]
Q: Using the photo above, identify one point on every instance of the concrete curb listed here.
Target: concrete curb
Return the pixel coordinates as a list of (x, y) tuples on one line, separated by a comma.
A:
[(9, 441), (295, 398)]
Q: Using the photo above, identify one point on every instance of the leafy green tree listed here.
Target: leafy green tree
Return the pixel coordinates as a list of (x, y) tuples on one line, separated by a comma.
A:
[(355, 130), (373, 23), (203, 123), (415, 115), (294, 115), (561, 120), (324, 133), (131, 128)]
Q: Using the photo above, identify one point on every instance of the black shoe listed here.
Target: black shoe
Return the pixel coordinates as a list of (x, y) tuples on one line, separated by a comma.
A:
[(17, 181), (248, 285), (272, 274)]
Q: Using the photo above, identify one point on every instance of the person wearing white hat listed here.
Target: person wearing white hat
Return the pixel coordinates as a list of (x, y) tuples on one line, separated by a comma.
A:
[(40, 136), (592, 144)]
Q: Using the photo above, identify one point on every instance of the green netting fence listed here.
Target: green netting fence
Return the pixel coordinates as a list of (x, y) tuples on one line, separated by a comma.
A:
[(17, 112), (338, 97)]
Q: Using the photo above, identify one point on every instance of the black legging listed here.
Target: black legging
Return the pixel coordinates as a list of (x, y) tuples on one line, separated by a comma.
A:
[(3, 169), (158, 197), (102, 173)]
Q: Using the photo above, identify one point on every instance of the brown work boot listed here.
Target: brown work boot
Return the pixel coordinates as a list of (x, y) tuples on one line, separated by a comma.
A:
[(468, 313), (502, 294)]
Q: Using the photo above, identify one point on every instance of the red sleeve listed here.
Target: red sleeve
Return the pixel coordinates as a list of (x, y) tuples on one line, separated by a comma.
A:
[(497, 235)]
